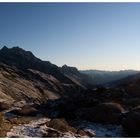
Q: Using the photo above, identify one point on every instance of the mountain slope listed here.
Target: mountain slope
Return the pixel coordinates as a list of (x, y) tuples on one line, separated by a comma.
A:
[(24, 60), (25, 77)]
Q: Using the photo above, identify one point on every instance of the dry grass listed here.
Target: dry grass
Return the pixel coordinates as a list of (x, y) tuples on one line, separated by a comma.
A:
[(6, 125), (61, 125)]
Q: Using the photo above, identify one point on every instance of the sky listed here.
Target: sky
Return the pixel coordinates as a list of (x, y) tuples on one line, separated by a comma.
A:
[(104, 36)]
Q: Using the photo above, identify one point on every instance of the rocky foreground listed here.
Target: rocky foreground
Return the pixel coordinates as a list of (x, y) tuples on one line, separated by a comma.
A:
[(97, 116), (24, 120), (39, 128), (28, 120)]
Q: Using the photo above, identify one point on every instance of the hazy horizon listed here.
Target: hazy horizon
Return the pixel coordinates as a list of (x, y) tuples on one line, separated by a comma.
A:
[(101, 36), (76, 66)]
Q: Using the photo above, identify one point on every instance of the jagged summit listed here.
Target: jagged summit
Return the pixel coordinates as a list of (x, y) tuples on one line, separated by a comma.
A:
[(17, 56), (4, 48), (68, 69), (64, 65), (77, 77)]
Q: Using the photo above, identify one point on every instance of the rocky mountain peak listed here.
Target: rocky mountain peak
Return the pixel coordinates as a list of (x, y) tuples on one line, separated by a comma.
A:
[(68, 69), (17, 51), (4, 48)]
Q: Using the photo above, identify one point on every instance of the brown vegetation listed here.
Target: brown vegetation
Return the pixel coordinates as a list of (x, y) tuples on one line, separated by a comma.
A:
[(61, 125)]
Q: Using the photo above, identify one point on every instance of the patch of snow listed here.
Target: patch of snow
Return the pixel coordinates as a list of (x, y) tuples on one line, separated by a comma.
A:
[(101, 130), (33, 129), (37, 128), (68, 135)]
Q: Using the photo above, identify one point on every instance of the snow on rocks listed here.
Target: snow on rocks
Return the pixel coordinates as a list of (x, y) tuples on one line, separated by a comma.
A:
[(38, 128), (105, 130), (101, 130), (33, 129)]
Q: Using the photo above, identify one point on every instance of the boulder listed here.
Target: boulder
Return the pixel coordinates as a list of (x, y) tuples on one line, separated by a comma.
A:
[(61, 125), (102, 113), (131, 123), (4, 106), (25, 111), (132, 102)]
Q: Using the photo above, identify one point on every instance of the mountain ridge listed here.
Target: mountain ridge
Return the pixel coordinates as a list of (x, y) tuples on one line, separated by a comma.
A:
[(27, 60), (29, 78), (105, 77)]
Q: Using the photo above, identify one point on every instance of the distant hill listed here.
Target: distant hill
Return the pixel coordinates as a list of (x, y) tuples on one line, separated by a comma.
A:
[(104, 77)]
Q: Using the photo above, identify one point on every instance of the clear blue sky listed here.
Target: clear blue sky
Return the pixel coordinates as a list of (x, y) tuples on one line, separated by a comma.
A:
[(86, 35)]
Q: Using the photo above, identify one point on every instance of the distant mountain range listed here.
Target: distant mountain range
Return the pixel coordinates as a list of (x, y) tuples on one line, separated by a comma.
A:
[(100, 77)]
